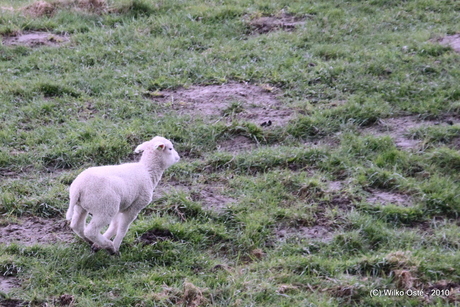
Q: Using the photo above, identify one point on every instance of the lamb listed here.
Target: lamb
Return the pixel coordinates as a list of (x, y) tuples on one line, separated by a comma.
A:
[(115, 194)]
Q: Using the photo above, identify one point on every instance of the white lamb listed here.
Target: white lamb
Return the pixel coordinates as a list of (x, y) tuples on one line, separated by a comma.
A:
[(115, 194)]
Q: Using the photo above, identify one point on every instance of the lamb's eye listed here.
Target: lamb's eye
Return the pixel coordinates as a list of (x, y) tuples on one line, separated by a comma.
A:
[(170, 148)]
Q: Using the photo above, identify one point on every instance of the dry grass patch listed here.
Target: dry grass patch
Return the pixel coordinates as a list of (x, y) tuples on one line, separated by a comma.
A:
[(190, 296), (43, 8), (39, 9)]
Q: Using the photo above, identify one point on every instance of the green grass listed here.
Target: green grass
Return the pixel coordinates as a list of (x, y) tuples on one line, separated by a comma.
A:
[(348, 65)]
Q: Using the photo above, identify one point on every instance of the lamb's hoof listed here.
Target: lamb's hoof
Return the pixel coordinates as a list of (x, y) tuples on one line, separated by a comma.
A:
[(95, 247), (113, 253), (89, 242)]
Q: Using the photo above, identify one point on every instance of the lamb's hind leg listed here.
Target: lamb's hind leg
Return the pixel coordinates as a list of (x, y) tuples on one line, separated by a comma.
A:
[(78, 222), (93, 232)]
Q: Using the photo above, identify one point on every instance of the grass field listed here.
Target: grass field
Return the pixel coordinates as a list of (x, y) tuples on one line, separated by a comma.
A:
[(319, 142)]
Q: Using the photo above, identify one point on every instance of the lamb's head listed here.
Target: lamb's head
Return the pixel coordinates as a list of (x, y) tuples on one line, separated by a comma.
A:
[(161, 148)]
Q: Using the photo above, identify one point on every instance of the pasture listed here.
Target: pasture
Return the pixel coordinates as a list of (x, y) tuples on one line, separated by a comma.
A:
[(319, 145)]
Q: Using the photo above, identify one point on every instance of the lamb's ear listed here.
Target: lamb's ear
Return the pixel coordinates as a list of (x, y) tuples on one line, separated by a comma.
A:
[(142, 147), (160, 146)]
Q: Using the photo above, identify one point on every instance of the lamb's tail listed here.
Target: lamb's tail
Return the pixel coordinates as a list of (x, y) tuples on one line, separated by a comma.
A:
[(74, 199)]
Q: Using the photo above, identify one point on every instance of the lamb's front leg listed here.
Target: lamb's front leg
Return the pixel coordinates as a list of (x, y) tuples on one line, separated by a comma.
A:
[(124, 220)]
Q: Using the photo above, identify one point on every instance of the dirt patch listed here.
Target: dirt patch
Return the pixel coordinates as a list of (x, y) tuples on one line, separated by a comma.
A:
[(210, 196), (447, 290), (5, 172), (343, 201), (8, 283), (237, 144), (399, 129), (231, 101), (335, 186), (212, 199), (12, 303), (316, 233), (66, 300), (286, 22), (452, 41), (35, 39), (35, 230), (154, 235), (385, 198)]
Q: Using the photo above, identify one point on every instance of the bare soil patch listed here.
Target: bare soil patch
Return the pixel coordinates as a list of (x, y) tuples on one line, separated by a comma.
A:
[(399, 129), (324, 227), (455, 143), (385, 198), (6, 172), (35, 230), (335, 186), (7, 284), (66, 300), (210, 196), (154, 235), (35, 39), (237, 144), (452, 41), (12, 303), (286, 22), (231, 101)]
